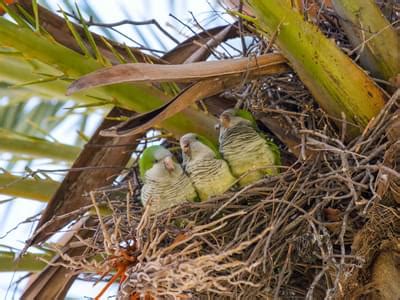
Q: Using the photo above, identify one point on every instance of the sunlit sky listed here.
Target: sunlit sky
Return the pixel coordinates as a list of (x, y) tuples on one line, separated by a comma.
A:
[(18, 210)]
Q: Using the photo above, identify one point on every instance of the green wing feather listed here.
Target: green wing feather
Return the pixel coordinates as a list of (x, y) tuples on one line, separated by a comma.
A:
[(209, 144), (245, 114), (274, 148)]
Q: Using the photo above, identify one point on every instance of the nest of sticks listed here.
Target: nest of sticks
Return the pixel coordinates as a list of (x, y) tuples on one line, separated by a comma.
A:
[(311, 232), (314, 231)]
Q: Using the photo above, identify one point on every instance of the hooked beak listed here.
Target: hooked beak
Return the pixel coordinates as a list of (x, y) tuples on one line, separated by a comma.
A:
[(169, 164), (224, 121)]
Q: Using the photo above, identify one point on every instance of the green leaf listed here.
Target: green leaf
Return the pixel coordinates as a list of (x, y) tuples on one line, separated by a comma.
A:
[(76, 35), (36, 14), (30, 262), (90, 38), (33, 147), (40, 190), (137, 97)]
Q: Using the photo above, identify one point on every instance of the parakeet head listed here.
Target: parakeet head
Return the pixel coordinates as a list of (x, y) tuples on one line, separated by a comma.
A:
[(231, 117), (157, 161), (194, 145)]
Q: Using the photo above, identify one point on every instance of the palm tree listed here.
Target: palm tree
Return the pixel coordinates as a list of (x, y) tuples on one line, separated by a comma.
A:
[(44, 53)]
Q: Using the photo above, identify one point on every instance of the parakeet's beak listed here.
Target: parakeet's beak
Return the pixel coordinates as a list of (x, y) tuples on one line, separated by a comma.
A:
[(186, 148), (169, 164), (224, 120)]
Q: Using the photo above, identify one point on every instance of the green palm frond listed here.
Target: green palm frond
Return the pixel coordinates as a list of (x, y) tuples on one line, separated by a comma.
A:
[(36, 189), (29, 263), (68, 64), (33, 147), (26, 124)]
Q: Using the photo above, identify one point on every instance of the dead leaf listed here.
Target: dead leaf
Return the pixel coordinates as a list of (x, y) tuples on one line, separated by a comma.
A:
[(332, 214), (142, 72), (143, 122), (197, 91)]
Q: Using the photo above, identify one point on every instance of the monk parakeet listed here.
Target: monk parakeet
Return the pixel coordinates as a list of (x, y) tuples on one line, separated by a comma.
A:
[(165, 183), (245, 148), (209, 173)]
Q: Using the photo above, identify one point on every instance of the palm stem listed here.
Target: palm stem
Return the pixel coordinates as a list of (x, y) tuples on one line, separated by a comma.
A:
[(335, 81), (35, 147), (372, 35), (30, 262), (35, 189)]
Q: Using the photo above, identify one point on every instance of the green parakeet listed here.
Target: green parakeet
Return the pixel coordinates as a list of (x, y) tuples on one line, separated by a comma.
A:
[(209, 173), (165, 183), (245, 148)]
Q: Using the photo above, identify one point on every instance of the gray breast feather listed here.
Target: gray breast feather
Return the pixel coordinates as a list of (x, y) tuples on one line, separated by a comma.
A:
[(167, 193)]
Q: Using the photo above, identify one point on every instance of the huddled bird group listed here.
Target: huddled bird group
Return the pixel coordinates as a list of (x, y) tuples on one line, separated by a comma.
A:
[(245, 155)]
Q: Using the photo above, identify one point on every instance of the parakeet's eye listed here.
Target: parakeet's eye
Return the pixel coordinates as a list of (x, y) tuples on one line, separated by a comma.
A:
[(156, 160)]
